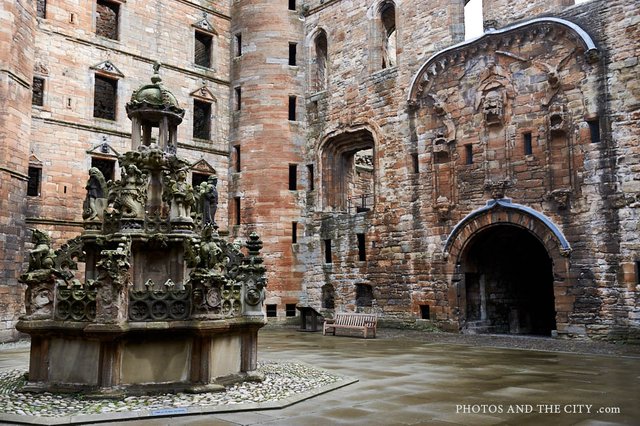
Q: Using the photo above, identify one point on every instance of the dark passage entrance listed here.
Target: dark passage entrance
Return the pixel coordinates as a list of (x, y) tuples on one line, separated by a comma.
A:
[(508, 283)]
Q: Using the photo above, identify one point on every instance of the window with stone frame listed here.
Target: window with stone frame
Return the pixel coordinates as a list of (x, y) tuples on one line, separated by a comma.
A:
[(106, 165), (201, 120), (35, 181), (107, 19), (203, 49), (37, 93), (105, 97), (319, 72), (389, 35), (41, 9)]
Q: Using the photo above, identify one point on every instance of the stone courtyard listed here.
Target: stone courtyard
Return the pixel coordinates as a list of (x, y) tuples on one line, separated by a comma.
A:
[(411, 378)]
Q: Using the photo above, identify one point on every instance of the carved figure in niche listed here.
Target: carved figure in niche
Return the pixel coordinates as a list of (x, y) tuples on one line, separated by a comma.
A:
[(443, 208), (492, 108), (182, 198), (96, 190), (209, 200), (132, 195), (497, 188), (557, 121), (42, 256), (210, 253)]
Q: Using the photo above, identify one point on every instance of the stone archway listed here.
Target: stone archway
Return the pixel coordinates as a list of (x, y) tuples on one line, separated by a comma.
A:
[(509, 271)]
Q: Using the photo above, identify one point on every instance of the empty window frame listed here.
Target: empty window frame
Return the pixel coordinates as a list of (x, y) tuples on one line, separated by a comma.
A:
[(37, 91), (389, 39), (202, 49), (328, 296), (107, 17), (292, 108), (362, 247), (327, 252), (424, 312), (473, 19), (238, 92), (594, 130), (292, 4), (238, 158), (290, 309), (35, 181), (468, 154), (272, 311), (198, 178), (293, 177), (105, 97), (293, 53), (415, 163), (238, 44), (201, 120), (310, 177), (527, 143), (319, 69), (294, 232), (41, 9), (106, 166), (364, 295), (237, 205)]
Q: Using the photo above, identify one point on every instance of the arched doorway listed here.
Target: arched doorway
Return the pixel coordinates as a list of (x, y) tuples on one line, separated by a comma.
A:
[(507, 283)]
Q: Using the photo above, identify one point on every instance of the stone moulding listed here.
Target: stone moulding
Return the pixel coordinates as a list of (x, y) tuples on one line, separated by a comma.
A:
[(439, 61), (506, 204)]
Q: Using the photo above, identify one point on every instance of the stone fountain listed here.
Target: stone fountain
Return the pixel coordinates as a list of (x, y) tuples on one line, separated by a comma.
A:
[(165, 303)]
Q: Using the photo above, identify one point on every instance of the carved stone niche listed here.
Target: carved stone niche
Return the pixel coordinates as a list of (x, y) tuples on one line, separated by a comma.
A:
[(493, 108), (557, 119)]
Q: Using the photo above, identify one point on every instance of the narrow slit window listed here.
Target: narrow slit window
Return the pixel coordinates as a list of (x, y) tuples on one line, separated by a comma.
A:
[(105, 97), (468, 154), (37, 94), (327, 252), (637, 271), (415, 162), (238, 164), (107, 16), (594, 130), (34, 183), (290, 309), (41, 9), (202, 50), (292, 108), (201, 120), (362, 249), (527, 143), (272, 311), (236, 201), (294, 232), (238, 38), (292, 4), (293, 47), (310, 177), (293, 177), (238, 91)]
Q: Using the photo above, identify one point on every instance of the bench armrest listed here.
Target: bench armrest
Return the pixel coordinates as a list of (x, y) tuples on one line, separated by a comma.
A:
[(329, 321)]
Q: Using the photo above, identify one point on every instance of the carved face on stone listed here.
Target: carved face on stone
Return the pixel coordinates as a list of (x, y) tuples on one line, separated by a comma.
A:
[(492, 108)]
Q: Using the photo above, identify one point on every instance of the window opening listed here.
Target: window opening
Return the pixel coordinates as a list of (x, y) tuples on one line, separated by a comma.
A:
[(294, 232), (236, 149), (292, 108), (202, 52), (310, 177), (424, 312), (106, 166), (104, 99), (238, 44), (37, 94), (107, 13), (637, 271), (272, 311), (201, 119), (327, 252), (292, 4), (41, 9), (198, 178), (238, 91), (527, 141), (290, 309), (237, 210), (34, 183), (293, 177), (364, 295), (415, 162), (389, 42), (320, 74), (293, 47), (362, 249), (328, 296), (473, 26), (468, 150), (594, 130)]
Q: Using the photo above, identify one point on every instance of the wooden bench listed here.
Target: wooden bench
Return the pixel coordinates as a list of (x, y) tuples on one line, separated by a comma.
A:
[(364, 322)]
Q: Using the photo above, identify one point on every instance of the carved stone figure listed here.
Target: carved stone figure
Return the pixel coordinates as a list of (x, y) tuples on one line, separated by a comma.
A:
[(131, 200), (42, 256), (209, 200), (96, 190), (181, 196), (492, 108)]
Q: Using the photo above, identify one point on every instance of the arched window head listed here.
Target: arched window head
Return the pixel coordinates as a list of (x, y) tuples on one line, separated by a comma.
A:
[(389, 38), (321, 46)]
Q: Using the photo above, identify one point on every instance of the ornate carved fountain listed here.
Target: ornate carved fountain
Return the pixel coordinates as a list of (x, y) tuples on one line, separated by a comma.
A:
[(165, 302)]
